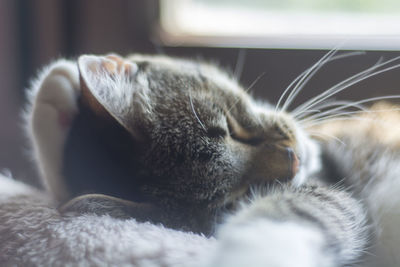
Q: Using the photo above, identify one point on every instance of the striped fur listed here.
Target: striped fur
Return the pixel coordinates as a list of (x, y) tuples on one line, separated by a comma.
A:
[(327, 225)]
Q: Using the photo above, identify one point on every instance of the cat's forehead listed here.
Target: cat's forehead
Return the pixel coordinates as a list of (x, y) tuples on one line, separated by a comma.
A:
[(184, 68)]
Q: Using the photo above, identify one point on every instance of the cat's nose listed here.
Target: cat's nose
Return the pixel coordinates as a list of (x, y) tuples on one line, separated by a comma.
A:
[(294, 163)]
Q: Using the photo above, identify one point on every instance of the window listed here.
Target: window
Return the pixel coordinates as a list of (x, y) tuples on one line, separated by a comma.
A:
[(357, 24)]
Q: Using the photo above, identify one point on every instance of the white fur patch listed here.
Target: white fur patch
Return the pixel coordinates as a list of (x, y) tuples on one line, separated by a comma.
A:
[(263, 242), (310, 161), (117, 87)]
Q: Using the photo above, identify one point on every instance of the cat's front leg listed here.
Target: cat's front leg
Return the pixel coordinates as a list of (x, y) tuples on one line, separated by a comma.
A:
[(308, 227), (53, 106)]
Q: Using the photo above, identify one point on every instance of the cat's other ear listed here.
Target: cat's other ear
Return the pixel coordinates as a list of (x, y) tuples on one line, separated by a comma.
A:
[(106, 88)]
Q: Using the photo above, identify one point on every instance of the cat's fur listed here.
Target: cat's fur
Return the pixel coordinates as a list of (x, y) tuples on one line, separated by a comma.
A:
[(182, 141)]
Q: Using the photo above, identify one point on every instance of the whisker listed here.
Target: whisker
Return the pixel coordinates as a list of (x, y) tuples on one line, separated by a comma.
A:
[(301, 84), (241, 58), (247, 89), (338, 115), (318, 134), (302, 76), (357, 78), (332, 103), (327, 104), (347, 117), (194, 111), (312, 101), (356, 104), (344, 105), (367, 111), (315, 123), (255, 81), (311, 111), (288, 88)]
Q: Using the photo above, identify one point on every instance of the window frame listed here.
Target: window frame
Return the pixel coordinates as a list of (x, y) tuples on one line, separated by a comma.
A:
[(167, 32)]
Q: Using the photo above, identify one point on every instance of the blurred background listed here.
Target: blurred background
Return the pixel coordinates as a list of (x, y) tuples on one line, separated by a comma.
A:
[(279, 39)]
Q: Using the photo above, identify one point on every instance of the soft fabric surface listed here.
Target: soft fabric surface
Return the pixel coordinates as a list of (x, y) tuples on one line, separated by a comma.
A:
[(32, 233)]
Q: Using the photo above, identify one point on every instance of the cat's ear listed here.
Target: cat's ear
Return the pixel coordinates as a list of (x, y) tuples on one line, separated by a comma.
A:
[(106, 88)]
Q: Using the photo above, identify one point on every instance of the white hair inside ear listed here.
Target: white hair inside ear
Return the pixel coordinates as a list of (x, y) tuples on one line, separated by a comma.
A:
[(114, 86)]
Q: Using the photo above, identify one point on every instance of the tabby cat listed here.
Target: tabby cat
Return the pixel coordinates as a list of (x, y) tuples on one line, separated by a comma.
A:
[(179, 142)]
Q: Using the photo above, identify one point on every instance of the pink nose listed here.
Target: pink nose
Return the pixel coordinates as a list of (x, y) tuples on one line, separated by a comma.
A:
[(294, 163)]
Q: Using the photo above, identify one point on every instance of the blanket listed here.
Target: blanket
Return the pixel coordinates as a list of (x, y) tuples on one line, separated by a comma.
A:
[(33, 233)]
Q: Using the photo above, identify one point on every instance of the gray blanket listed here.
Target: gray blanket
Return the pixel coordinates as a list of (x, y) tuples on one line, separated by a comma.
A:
[(32, 233)]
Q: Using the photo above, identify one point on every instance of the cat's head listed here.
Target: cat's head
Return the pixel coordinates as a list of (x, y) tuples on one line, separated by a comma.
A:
[(183, 132)]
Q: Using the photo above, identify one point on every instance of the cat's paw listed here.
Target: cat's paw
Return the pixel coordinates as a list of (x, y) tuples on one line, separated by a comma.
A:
[(54, 105), (265, 242), (55, 96)]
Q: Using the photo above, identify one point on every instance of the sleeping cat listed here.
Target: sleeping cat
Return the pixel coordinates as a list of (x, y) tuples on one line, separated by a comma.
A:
[(173, 133), (179, 142)]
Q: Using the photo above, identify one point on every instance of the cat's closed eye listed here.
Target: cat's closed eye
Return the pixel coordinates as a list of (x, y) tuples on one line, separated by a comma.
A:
[(234, 131), (217, 132), (242, 135)]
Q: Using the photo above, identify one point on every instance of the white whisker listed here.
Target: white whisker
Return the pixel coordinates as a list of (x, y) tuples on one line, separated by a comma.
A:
[(248, 89), (302, 76), (332, 111), (345, 116), (318, 134), (338, 115), (315, 123), (337, 103), (312, 101), (356, 104), (303, 114), (300, 85), (255, 81), (194, 111), (357, 78)]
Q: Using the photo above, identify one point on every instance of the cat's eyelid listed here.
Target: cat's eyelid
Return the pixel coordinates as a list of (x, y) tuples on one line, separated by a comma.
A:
[(236, 128), (216, 131), (242, 135)]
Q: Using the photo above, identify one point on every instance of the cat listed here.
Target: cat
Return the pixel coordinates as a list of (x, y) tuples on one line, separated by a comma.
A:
[(134, 138), (179, 142)]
